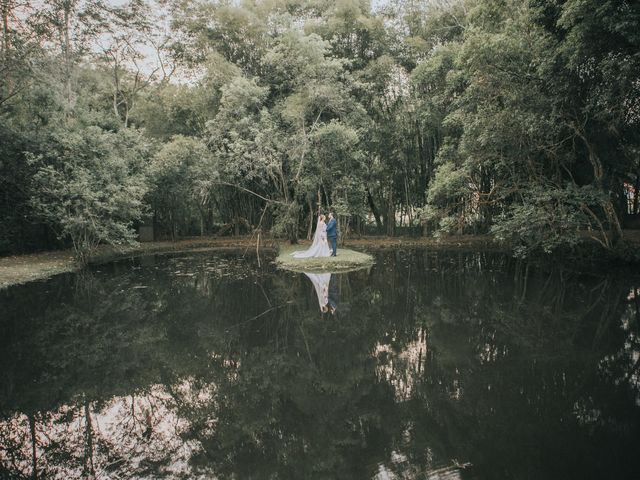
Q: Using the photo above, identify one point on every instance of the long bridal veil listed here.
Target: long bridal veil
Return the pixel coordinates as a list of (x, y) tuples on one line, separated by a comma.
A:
[(319, 247)]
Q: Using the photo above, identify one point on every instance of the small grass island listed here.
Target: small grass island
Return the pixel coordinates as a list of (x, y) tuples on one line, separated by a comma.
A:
[(345, 261)]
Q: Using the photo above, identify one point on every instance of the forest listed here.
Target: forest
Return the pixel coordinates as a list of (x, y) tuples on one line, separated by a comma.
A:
[(518, 119)]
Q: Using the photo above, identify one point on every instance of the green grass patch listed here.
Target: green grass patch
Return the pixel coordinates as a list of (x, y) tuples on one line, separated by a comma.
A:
[(346, 260)]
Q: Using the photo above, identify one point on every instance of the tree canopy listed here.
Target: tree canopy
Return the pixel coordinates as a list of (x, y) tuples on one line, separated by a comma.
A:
[(516, 119)]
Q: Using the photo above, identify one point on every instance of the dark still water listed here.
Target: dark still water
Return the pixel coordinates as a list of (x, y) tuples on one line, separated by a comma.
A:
[(428, 366)]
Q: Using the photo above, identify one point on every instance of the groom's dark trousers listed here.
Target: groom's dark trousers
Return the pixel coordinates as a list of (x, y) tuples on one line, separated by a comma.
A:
[(332, 235), (334, 244)]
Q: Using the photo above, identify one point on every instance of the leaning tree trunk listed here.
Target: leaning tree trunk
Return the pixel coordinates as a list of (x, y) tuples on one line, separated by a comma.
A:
[(599, 176), (88, 468)]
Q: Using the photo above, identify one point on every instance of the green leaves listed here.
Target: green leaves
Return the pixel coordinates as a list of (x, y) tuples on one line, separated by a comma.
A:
[(237, 127), (503, 95), (452, 112), (550, 217), (181, 174), (90, 186)]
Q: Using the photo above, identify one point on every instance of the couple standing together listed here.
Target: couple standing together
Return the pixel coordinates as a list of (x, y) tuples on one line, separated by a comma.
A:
[(325, 233)]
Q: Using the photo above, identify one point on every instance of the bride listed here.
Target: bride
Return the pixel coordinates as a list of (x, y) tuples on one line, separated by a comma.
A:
[(319, 247)]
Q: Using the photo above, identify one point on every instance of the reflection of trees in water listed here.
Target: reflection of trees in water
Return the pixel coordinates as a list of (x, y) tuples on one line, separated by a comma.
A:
[(137, 435), (296, 403), (209, 366), (623, 366), (519, 352), (83, 377)]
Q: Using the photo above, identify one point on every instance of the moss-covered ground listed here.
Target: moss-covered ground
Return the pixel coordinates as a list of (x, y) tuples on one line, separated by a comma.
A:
[(345, 260)]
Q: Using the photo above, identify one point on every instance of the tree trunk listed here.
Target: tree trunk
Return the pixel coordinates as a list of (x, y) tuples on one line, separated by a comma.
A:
[(375, 211), (460, 228), (88, 467), (423, 168), (34, 457), (67, 49), (311, 218), (485, 210), (635, 194), (6, 45), (343, 228), (408, 206), (155, 223), (6, 40), (126, 116), (327, 197), (292, 233), (599, 177), (391, 215)]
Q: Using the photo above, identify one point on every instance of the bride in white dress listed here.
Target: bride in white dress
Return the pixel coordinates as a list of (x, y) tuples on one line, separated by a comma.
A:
[(319, 247)]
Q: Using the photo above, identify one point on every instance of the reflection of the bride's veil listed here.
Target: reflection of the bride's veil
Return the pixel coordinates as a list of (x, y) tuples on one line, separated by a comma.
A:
[(323, 283)]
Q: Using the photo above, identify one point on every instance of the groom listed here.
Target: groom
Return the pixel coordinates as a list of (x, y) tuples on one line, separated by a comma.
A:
[(332, 233)]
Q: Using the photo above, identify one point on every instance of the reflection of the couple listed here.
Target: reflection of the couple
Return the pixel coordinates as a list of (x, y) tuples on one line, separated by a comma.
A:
[(326, 286)]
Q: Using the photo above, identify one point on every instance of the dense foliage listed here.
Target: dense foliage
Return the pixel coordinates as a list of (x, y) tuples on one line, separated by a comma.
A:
[(519, 119)]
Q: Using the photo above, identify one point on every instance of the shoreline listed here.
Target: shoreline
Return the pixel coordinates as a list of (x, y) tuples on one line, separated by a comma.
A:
[(19, 269)]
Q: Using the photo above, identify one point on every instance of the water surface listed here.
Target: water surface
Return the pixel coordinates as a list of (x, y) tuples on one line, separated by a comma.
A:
[(427, 366)]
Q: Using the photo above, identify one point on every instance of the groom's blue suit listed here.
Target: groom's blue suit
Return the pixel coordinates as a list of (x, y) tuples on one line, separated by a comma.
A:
[(332, 235)]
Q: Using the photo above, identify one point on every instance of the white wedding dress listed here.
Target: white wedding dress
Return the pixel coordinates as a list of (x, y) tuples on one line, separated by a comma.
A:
[(321, 283), (319, 247)]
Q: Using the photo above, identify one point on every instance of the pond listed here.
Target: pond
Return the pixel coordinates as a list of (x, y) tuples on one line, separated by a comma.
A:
[(426, 366)]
